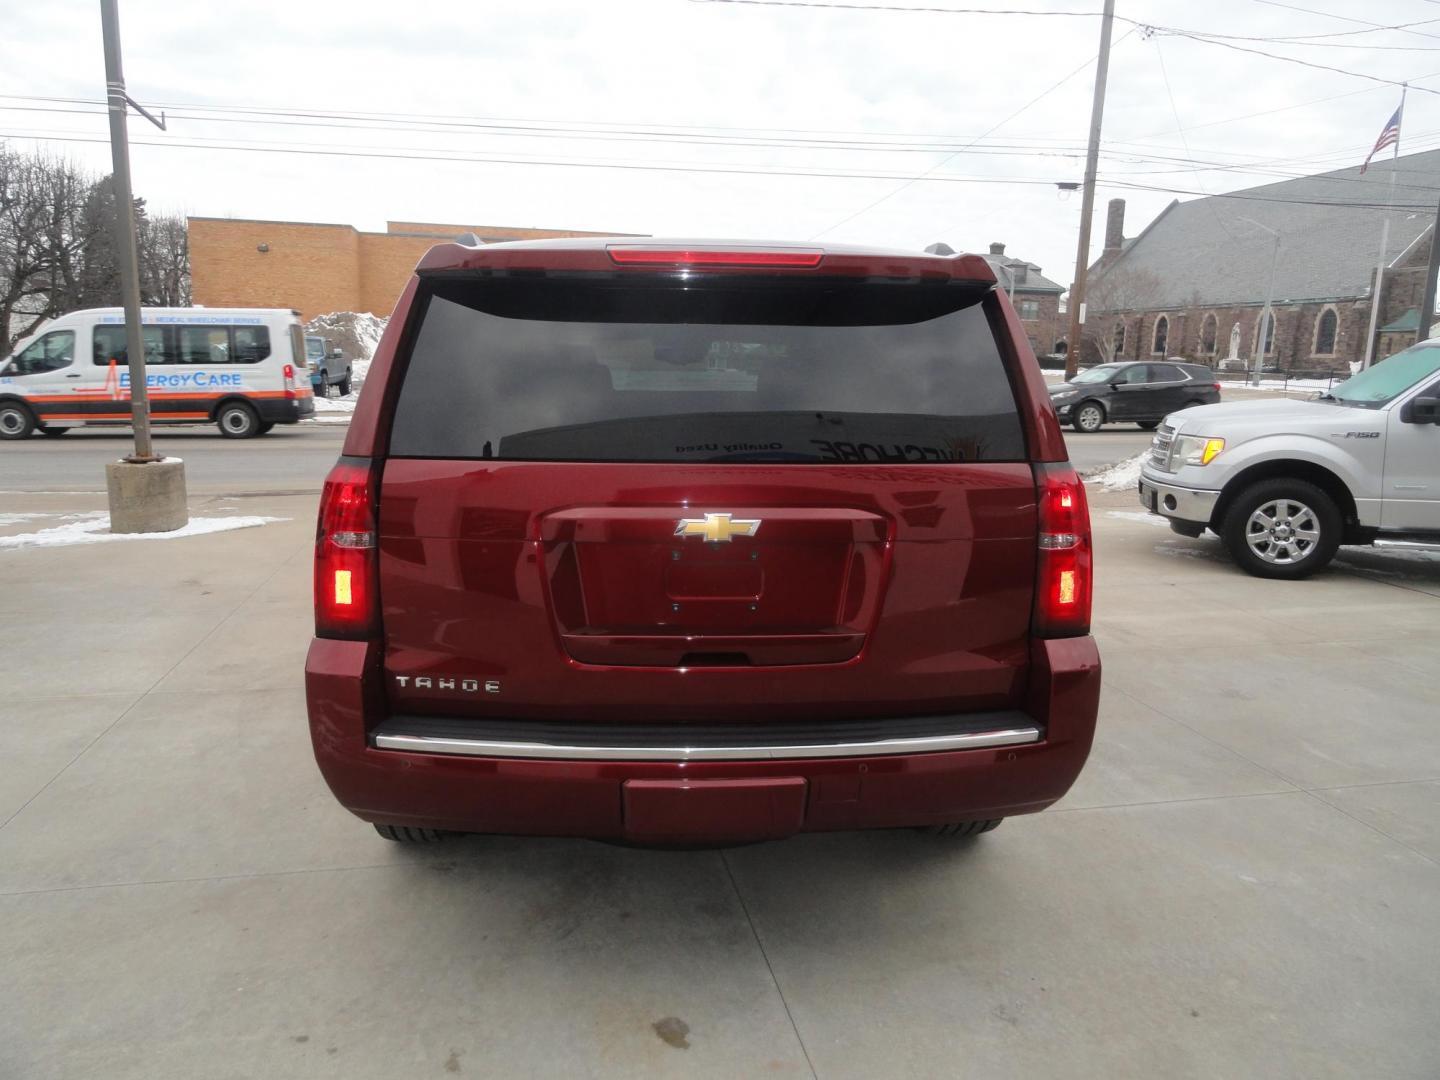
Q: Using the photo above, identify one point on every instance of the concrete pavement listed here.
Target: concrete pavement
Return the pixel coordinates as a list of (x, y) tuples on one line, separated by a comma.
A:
[(1242, 883)]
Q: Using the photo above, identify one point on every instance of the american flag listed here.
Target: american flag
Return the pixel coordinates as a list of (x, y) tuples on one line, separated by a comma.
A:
[(1389, 137)]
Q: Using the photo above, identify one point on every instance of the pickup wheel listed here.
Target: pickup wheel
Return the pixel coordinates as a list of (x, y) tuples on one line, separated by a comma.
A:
[(409, 834), (1282, 528), (962, 828), (345, 386), (1088, 416)]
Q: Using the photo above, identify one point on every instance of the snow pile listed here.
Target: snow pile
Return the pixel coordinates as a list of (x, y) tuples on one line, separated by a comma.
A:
[(94, 528), (1122, 476), (354, 333)]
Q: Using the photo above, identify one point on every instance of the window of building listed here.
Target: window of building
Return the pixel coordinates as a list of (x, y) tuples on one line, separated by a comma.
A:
[(1162, 335), (52, 352), (1119, 337), (1267, 325), (1029, 309), (1325, 328), (1207, 335)]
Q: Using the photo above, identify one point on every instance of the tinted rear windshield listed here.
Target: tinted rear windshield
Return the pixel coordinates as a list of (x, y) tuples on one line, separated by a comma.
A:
[(705, 370)]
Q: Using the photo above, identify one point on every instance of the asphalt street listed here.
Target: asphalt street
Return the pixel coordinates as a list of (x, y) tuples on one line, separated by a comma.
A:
[(296, 459)]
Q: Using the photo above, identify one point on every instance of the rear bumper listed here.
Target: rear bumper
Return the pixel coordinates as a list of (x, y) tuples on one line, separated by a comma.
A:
[(697, 799), (285, 410)]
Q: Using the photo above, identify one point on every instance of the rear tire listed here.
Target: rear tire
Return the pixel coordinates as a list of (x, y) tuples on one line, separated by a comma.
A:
[(54, 432), (266, 426), (1284, 529), (1147, 425), (409, 834), (237, 421), (1088, 417), (16, 421), (345, 386), (963, 828)]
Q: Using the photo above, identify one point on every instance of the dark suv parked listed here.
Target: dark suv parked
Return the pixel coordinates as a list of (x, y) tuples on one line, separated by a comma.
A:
[(1143, 393), (678, 543)]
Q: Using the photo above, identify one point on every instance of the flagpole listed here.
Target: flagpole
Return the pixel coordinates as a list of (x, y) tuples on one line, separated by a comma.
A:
[(1373, 337)]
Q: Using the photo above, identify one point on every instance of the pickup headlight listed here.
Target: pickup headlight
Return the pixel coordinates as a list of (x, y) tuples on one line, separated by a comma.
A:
[(1195, 450)]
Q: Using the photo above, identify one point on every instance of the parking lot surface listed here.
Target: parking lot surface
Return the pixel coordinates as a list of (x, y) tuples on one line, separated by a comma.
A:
[(1242, 883)]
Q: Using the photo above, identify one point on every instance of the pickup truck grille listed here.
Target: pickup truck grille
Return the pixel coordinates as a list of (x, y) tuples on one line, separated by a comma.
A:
[(1160, 448)]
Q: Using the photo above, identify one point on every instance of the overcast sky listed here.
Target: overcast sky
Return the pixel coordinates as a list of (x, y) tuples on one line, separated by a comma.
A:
[(681, 82)]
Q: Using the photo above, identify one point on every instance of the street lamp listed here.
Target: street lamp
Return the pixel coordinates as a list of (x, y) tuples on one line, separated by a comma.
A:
[(1267, 316)]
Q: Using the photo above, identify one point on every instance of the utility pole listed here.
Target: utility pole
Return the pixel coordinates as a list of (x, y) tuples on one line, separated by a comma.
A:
[(1087, 201), (1427, 305), (147, 493)]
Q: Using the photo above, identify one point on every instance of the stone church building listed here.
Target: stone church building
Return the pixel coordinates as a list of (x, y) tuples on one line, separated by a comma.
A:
[(1193, 283)]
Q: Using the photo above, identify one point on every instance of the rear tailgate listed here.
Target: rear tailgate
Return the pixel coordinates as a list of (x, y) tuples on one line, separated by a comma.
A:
[(705, 500)]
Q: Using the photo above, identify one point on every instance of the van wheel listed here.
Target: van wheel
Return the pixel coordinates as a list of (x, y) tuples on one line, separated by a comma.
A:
[(1147, 425), (54, 432), (409, 834), (238, 421), (962, 828), (1089, 417), (266, 427), (1282, 528), (16, 421)]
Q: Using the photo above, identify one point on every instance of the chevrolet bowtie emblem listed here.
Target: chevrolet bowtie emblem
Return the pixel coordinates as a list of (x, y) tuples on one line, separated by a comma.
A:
[(717, 528)]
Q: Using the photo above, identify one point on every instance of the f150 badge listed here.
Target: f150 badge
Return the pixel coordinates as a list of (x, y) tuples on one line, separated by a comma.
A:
[(465, 686), (1355, 434)]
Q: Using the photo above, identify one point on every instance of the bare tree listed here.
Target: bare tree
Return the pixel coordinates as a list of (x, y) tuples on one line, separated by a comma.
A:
[(41, 239), (164, 250), (1112, 295), (57, 245)]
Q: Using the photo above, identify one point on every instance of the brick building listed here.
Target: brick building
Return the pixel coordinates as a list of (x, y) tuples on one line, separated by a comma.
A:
[(1193, 283), (1036, 297), (318, 268)]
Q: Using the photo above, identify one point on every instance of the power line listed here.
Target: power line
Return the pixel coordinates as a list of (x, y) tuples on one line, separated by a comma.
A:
[(890, 194), (1347, 18), (631, 166)]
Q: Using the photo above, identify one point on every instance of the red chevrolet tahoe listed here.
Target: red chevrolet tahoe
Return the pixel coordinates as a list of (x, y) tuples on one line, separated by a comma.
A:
[(679, 543)]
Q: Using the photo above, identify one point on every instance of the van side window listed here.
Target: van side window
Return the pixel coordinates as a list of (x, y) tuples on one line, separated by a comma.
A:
[(109, 344), (252, 344), (204, 344), (52, 352)]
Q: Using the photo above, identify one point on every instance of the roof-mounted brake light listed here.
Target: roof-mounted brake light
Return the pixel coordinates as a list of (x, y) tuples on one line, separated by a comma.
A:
[(636, 255)]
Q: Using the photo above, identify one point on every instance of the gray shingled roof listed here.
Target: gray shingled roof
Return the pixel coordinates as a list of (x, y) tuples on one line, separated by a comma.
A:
[(1203, 250), (1034, 281)]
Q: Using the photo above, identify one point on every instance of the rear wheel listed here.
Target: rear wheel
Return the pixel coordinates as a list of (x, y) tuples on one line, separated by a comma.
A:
[(1089, 416), (237, 421), (266, 426), (1282, 528), (16, 421), (409, 834), (54, 431), (963, 828), (1147, 425), (345, 386)]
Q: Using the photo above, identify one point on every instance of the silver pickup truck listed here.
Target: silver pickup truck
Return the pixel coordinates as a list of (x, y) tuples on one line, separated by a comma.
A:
[(1285, 483)]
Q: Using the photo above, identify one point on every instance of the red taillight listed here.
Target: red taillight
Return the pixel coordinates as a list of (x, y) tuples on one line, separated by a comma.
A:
[(638, 255), (1217, 387), (345, 565), (288, 371), (1064, 578)]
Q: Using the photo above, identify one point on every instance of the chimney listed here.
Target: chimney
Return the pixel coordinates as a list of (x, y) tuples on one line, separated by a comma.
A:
[(997, 248), (1115, 225)]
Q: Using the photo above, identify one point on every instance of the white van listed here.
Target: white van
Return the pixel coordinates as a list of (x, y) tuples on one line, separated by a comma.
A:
[(241, 368)]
